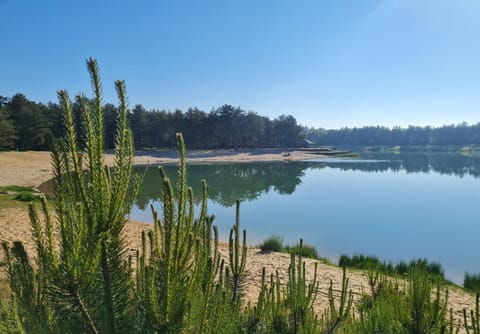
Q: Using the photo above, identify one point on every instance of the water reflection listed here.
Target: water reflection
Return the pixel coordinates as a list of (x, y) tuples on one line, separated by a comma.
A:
[(246, 182), (229, 182)]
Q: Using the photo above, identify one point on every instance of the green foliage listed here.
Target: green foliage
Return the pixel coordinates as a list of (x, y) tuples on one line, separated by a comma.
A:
[(364, 262), (358, 261), (16, 189), (273, 243), (473, 326), (238, 256), (300, 295), (308, 251), (458, 135), (472, 282), (183, 286), (290, 309), (32, 123), (19, 193), (82, 275), (335, 318), (27, 197), (26, 313), (8, 134), (410, 309), (27, 125)]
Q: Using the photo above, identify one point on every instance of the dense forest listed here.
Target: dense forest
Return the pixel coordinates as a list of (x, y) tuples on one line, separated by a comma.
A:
[(29, 125), (457, 135)]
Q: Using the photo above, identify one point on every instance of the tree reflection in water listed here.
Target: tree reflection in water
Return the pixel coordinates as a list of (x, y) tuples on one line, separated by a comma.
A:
[(247, 181)]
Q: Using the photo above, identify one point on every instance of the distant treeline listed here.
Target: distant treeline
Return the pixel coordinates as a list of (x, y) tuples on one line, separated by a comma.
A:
[(461, 134), (28, 125)]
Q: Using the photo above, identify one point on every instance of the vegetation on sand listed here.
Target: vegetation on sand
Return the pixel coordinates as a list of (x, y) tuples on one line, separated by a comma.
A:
[(403, 268), (471, 282), (274, 243)]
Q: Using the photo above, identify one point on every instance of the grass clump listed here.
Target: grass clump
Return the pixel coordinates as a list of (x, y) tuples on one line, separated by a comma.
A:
[(27, 197), (15, 189), (366, 262), (11, 194), (274, 243), (359, 261), (471, 282), (307, 251)]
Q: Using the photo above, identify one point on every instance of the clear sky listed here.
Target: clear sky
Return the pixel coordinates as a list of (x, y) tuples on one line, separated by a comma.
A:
[(329, 63)]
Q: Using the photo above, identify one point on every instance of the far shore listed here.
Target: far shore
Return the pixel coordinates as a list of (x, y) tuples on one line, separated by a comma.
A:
[(32, 168)]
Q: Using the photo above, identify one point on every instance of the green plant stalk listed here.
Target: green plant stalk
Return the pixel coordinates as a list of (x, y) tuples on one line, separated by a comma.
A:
[(237, 257)]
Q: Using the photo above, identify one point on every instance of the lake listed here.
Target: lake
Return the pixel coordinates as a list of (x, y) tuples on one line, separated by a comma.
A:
[(394, 206)]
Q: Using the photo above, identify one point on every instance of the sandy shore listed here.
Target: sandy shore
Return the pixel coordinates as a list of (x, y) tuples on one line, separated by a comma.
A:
[(34, 168)]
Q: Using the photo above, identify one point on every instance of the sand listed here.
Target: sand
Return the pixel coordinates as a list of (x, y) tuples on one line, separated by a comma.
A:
[(34, 168)]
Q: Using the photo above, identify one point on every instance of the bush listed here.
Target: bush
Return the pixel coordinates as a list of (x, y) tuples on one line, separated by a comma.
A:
[(472, 282), (432, 268), (401, 268), (359, 261), (308, 251), (26, 197), (273, 244)]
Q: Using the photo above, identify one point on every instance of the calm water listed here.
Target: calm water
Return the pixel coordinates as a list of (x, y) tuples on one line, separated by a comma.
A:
[(397, 207)]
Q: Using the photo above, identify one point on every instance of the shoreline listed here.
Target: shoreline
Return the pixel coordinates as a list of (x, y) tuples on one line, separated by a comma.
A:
[(32, 168)]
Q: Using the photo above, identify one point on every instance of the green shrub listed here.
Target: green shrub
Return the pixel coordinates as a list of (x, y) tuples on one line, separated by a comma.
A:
[(306, 250), (418, 307), (27, 197), (431, 268), (273, 244), (472, 282), (401, 268), (359, 261)]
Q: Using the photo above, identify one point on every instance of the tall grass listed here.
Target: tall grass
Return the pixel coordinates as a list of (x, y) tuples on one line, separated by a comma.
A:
[(274, 243), (471, 282), (360, 261)]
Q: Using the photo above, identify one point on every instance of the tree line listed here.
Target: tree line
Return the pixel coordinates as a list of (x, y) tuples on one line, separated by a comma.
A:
[(460, 134), (28, 125)]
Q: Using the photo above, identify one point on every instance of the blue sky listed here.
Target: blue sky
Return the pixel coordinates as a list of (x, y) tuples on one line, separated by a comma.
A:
[(329, 63)]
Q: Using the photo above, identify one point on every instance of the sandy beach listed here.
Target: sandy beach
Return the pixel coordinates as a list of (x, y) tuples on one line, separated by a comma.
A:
[(34, 168)]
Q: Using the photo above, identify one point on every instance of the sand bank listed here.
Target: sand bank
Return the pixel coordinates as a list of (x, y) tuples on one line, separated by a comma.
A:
[(33, 168)]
